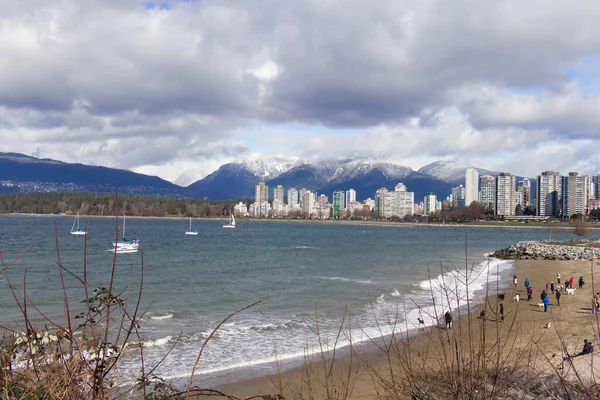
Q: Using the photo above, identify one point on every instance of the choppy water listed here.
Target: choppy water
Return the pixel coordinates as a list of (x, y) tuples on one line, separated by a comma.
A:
[(378, 273)]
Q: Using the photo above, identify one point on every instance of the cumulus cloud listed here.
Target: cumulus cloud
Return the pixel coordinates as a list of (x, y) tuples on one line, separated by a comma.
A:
[(173, 88)]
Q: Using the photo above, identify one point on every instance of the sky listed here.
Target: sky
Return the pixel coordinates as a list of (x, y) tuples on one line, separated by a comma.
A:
[(178, 88)]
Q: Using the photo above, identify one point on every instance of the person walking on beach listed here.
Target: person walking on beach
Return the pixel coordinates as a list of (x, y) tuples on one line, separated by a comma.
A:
[(526, 283), (558, 297), (448, 319), (581, 282), (571, 280), (558, 278), (515, 281), (547, 287), (546, 302), (542, 295), (529, 293), (552, 287), (501, 312)]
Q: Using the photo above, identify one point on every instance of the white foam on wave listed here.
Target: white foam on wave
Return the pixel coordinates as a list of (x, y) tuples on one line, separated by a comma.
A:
[(350, 280), (264, 342), (304, 247), (445, 291), (152, 343), (160, 316)]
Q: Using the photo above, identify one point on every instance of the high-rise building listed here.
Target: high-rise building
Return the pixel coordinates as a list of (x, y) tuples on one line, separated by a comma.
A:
[(338, 204), (379, 201), (429, 203), (292, 197), (458, 196), (574, 194), (323, 200), (261, 193), (549, 193), (505, 194), (278, 194), (307, 202), (398, 203), (523, 199), (487, 192), (596, 187), (350, 197), (471, 186)]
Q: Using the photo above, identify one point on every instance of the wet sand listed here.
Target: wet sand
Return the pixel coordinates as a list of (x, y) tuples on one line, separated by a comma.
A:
[(530, 338)]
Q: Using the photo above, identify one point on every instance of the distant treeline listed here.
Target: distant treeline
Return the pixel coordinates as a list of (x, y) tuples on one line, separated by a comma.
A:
[(88, 203)]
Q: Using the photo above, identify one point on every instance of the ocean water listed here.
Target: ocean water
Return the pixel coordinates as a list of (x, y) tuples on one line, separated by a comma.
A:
[(377, 277)]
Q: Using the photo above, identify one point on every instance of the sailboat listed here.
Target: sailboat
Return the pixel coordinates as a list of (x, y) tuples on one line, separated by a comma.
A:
[(231, 223), (76, 230), (191, 231), (125, 245)]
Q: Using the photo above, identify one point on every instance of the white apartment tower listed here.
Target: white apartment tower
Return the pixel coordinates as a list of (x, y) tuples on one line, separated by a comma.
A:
[(261, 193), (505, 194), (574, 194), (350, 197), (549, 193), (292, 197), (278, 194), (487, 192), (398, 203), (471, 186)]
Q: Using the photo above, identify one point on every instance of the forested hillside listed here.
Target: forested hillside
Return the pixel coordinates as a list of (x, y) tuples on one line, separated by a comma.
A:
[(87, 203)]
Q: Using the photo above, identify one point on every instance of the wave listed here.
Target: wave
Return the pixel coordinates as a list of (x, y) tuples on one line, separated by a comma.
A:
[(350, 280), (152, 343), (160, 316), (447, 290), (260, 342)]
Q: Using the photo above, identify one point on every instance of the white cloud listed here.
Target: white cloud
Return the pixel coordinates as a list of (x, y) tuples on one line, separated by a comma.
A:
[(174, 92)]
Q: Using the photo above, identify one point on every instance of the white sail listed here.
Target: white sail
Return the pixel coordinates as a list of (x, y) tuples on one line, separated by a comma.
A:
[(76, 230), (231, 223)]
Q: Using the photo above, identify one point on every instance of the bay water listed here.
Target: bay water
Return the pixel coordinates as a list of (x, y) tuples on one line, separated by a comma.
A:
[(375, 277)]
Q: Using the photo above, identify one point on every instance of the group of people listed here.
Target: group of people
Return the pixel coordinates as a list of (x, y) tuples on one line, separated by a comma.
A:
[(544, 295)]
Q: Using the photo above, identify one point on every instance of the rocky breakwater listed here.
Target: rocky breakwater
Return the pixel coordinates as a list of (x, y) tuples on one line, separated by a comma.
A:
[(547, 251)]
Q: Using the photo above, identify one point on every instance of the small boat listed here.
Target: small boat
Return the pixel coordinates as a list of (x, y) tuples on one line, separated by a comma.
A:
[(231, 223), (76, 230), (191, 232), (125, 245)]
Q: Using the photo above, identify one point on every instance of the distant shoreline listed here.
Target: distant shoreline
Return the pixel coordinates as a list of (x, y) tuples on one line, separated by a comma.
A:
[(493, 225)]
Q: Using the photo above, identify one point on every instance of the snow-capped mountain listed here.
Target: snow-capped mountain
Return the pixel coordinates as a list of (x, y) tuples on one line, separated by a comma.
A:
[(357, 168), (268, 168), (450, 172), (238, 179)]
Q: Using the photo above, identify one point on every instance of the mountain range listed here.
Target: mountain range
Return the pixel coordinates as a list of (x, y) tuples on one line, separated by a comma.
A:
[(235, 180)]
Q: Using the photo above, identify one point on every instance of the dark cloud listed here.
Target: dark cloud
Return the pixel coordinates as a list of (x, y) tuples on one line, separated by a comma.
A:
[(90, 78)]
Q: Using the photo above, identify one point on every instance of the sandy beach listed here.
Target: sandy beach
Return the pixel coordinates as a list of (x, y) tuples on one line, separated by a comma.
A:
[(527, 348)]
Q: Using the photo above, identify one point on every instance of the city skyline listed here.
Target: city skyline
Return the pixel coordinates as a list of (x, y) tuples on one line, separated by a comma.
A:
[(502, 195), (178, 88)]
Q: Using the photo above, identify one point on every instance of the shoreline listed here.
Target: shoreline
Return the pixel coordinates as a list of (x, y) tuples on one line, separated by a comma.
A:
[(292, 366), (495, 225), (525, 324)]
